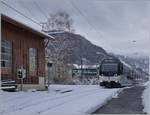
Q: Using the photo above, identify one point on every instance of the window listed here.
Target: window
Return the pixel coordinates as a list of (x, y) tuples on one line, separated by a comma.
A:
[(6, 53), (32, 61), (109, 67)]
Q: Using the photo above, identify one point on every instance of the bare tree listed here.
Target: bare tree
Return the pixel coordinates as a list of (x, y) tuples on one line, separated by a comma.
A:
[(60, 49), (59, 21)]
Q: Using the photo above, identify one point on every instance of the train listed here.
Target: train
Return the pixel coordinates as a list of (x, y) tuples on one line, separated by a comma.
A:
[(111, 73), (114, 72)]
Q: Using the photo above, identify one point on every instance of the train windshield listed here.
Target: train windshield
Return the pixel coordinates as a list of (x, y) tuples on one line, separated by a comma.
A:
[(109, 68)]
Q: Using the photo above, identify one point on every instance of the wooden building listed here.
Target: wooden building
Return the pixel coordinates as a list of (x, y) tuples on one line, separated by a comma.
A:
[(22, 46)]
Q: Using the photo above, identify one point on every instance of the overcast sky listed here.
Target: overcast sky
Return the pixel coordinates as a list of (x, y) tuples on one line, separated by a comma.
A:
[(111, 24)]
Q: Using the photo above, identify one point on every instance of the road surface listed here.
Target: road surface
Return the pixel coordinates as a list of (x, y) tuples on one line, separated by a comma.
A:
[(129, 101)]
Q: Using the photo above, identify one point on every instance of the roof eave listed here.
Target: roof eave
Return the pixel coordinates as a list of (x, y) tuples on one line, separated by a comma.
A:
[(17, 23)]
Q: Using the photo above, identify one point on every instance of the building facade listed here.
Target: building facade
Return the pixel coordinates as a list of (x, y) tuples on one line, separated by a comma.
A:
[(22, 47)]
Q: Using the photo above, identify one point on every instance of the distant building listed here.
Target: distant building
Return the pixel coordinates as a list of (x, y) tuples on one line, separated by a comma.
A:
[(85, 71), (22, 46), (85, 74)]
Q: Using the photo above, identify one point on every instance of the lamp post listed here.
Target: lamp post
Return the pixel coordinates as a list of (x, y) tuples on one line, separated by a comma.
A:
[(81, 68)]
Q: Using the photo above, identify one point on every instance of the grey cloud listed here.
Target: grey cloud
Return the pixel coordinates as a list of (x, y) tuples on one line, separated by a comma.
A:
[(112, 24)]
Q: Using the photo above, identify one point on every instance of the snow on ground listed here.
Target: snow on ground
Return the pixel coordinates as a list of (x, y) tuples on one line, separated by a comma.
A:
[(64, 99), (145, 98)]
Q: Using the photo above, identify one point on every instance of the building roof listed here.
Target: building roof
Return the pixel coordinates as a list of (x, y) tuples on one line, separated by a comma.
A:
[(24, 26), (85, 66)]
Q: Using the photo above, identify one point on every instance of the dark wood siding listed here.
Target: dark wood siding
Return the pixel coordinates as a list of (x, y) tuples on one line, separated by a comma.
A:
[(22, 40)]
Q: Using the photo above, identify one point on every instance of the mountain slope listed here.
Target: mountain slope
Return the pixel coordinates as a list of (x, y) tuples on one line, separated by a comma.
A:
[(77, 47)]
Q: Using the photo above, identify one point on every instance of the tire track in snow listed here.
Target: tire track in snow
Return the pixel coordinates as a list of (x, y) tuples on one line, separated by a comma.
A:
[(54, 99), (18, 96), (21, 101), (72, 101), (15, 97), (47, 96), (31, 97), (62, 103)]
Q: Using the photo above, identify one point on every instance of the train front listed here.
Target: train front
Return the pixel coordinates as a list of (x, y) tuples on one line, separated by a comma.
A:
[(109, 73)]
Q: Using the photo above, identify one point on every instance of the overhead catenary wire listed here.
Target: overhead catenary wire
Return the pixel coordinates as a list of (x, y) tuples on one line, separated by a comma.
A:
[(22, 3), (40, 9), (86, 18), (21, 13), (82, 14)]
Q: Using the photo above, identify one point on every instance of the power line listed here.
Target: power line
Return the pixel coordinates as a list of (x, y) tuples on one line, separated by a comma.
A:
[(82, 14), (78, 10), (40, 9), (22, 3), (21, 13), (86, 18)]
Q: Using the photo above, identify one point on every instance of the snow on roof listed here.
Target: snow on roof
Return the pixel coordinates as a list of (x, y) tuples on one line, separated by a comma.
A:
[(14, 21), (84, 66), (55, 32)]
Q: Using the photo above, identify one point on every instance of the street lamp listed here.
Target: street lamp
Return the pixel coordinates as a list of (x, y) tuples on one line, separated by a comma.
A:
[(81, 74)]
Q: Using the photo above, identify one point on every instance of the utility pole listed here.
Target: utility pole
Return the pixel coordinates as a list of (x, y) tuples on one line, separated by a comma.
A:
[(81, 69)]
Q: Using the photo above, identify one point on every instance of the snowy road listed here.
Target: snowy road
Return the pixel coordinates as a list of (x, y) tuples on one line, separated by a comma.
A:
[(73, 99)]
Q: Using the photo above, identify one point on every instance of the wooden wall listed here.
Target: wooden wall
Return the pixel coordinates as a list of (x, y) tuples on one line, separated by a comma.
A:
[(22, 40)]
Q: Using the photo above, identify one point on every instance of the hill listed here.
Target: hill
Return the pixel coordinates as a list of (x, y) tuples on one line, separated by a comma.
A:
[(76, 47)]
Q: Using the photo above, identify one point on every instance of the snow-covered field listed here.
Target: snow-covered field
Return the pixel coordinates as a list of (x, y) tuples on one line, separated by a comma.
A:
[(145, 97), (60, 99)]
